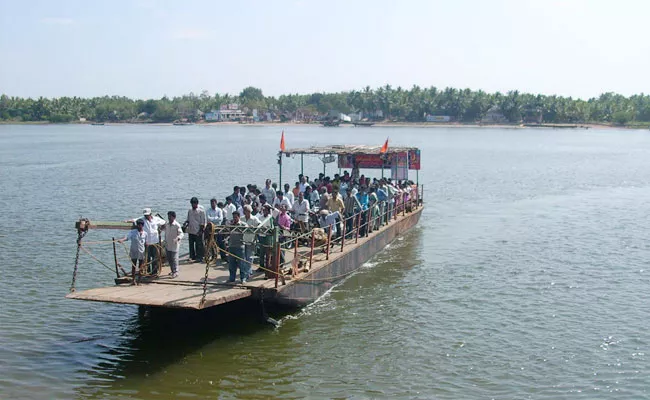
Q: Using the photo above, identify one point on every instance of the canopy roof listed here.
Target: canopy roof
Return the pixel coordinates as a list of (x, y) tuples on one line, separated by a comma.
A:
[(347, 149)]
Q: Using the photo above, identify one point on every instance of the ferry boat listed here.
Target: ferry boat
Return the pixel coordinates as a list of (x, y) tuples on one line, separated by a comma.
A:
[(304, 265)]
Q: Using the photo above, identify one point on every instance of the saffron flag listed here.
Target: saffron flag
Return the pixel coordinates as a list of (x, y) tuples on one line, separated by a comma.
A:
[(384, 148), (282, 147)]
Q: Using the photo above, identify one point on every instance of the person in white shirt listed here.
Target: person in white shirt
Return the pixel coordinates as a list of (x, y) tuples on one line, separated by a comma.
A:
[(288, 194), (300, 211), (173, 237), (268, 192), (196, 222), (280, 200), (249, 238), (314, 197), (228, 209), (327, 219), (136, 253), (214, 213), (152, 225), (303, 183)]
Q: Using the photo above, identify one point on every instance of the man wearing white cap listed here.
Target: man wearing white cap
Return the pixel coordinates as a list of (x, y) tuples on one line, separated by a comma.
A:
[(152, 225), (328, 219)]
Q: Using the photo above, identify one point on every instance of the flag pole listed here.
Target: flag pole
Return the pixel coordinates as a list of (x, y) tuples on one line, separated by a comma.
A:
[(280, 163)]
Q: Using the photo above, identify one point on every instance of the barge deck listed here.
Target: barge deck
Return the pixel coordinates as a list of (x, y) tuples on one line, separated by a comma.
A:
[(187, 290)]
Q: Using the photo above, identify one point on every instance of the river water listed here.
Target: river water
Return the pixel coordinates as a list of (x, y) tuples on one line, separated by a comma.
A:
[(527, 276)]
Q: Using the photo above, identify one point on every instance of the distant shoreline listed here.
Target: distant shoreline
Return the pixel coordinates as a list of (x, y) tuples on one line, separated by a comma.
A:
[(387, 124)]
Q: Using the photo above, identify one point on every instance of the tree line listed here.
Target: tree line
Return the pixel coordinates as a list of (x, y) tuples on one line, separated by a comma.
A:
[(394, 104)]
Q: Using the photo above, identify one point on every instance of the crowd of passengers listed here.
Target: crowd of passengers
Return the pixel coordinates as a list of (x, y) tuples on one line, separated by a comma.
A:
[(326, 203)]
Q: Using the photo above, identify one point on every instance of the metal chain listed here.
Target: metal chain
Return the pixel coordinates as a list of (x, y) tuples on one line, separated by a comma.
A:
[(205, 283), (80, 234)]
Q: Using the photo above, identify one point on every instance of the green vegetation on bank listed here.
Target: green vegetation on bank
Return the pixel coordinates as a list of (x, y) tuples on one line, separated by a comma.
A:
[(394, 104)]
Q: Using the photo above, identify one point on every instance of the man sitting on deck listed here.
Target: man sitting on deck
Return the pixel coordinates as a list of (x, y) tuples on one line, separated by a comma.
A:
[(138, 239)]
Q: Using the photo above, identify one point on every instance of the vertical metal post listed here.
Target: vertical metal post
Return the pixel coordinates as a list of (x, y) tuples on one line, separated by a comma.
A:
[(356, 240), (276, 252), (311, 250), (160, 262), (117, 273), (395, 209), (343, 236), (294, 265), (329, 241), (302, 171), (324, 173), (417, 196), (417, 177)]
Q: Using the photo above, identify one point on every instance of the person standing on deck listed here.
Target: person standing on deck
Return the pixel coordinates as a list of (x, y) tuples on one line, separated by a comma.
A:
[(300, 211), (236, 250), (296, 190), (281, 200), (215, 217), (152, 226), (314, 197), (382, 196), (288, 194), (173, 237), (335, 205), (303, 183), (214, 213), (236, 196), (250, 238), (284, 222), (228, 209), (324, 199), (352, 207), (373, 209), (138, 239), (266, 240), (362, 196), (196, 220)]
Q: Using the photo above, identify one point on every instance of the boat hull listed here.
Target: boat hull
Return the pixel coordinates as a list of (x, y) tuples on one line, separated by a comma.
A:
[(311, 287)]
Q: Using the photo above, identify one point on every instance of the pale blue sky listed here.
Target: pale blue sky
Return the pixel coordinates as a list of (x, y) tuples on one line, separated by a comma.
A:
[(148, 48)]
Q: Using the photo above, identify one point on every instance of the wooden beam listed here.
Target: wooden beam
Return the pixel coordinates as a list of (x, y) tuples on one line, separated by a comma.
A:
[(84, 224)]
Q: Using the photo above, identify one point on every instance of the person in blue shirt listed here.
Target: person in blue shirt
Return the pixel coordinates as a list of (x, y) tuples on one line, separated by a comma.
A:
[(362, 196), (382, 195)]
